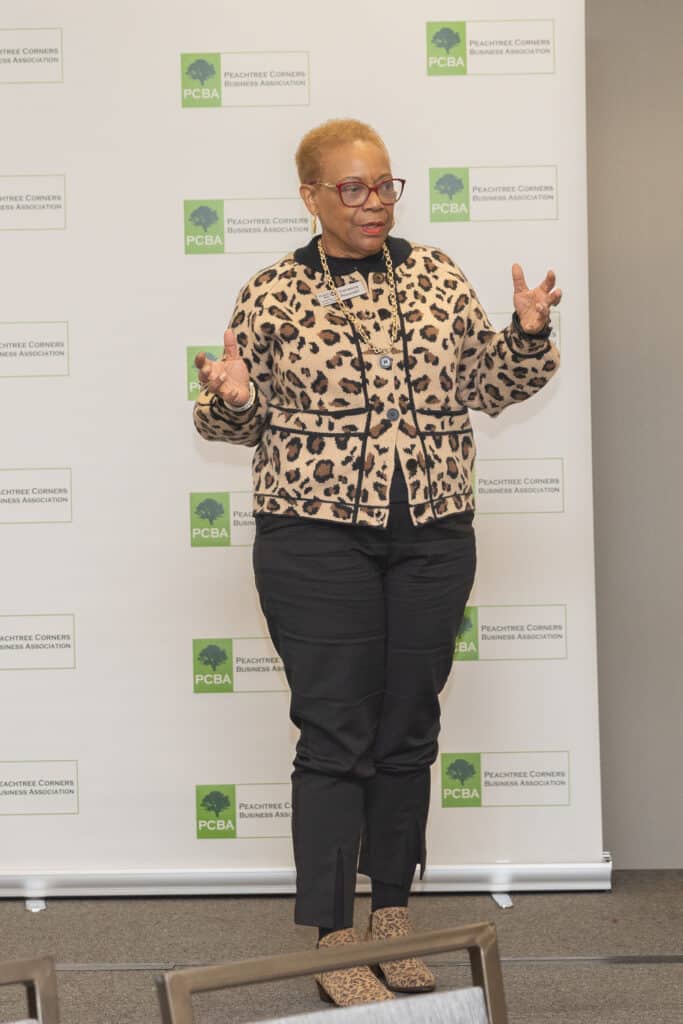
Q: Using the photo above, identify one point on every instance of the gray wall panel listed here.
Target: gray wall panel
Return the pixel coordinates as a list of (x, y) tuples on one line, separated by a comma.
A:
[(635, 147)]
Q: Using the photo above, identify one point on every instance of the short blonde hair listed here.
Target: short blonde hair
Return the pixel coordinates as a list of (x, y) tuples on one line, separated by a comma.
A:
[(325, 136)]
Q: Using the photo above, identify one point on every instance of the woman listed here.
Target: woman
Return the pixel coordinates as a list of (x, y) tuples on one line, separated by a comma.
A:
[(352, 364)]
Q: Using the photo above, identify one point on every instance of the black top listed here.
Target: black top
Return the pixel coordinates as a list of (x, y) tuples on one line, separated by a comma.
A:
[(342, 265)]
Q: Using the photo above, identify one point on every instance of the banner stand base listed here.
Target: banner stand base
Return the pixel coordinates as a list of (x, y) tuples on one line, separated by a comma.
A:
[(35, 906), (492, 878)]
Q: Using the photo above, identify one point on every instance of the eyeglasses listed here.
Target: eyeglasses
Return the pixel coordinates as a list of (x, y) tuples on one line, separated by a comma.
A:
[(357, 193)]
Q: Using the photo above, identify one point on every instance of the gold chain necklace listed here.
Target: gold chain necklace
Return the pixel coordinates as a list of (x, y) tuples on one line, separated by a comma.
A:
[(351, 316)]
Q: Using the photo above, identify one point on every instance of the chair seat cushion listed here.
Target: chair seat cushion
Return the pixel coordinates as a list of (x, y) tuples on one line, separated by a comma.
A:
[(451, 1006)]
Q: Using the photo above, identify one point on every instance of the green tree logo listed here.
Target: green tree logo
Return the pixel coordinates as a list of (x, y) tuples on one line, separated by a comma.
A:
[(212, 353), (461, 770), (210, 519), (216, 802), (465, 625), (204, 226), (203, 217), (212, 665), (446, 39), (200, 79), (449, 193), (201, 71), (446, 48), (461, 780), (467, 637), (449, 185), (216, 808), (209, 509), (213, 656)]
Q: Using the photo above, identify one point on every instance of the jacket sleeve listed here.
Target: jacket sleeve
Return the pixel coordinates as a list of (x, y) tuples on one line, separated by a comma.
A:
[(213, 418), (498, 368)]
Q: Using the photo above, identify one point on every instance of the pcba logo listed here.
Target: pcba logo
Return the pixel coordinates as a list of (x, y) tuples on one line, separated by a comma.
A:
[(461, 780), (467, 639), (446, 48), (204, 226), (212, 352), (210, 519), (213, 666), (449, 194), (216, 812), (200, 75)]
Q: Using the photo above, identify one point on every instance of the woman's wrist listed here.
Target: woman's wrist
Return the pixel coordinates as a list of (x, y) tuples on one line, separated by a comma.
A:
[(242, 407), (541, 334)]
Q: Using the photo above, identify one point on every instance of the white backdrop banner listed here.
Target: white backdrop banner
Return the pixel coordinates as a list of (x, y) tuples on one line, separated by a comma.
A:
[(146, 172)]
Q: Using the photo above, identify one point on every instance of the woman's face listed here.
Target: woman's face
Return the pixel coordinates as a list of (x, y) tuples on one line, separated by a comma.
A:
[(351, 231)]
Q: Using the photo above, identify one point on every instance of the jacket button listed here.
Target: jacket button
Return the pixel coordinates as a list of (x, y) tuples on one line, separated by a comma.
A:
[(385, 362), (393, 414)]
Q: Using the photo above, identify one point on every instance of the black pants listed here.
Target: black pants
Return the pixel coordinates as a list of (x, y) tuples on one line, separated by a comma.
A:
[(365, 621)]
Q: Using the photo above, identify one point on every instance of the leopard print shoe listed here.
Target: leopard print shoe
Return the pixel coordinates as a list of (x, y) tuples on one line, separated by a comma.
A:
[(353, 985), (411, 975)]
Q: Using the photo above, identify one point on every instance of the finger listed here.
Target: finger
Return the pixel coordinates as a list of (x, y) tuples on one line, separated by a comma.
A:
[(200, 359), (518, 279), (549, 282), (217, 380), (231, 397), (230, 345), (555, 297), (543, 312), (207, 374)]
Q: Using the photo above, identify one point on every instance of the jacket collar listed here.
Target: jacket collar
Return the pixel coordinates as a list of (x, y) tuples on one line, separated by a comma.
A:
[(308, 255)]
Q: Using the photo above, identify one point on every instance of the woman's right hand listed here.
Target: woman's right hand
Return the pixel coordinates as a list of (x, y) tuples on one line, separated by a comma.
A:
[(227, 377)]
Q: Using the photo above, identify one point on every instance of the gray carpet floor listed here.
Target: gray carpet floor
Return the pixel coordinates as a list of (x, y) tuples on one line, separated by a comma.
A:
[(568, 958)]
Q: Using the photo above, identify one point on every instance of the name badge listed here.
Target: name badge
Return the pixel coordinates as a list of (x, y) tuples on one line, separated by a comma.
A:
[(347, 291)]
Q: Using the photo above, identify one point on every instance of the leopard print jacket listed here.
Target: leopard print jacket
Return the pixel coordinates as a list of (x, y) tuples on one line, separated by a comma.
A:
[(330, 416)]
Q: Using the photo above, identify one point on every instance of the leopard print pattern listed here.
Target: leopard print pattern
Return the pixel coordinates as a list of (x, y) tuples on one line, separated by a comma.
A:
[(330, 414), (351, 986), (410, 975)]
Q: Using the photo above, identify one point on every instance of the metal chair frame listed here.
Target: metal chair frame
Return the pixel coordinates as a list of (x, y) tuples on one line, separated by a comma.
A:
[(176, 988), (40, 982)]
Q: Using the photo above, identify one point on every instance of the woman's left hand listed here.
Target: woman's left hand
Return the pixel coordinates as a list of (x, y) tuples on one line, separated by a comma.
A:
[(533, 304)]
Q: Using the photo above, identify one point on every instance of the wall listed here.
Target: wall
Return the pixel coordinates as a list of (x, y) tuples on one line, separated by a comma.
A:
[(635, 147)]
